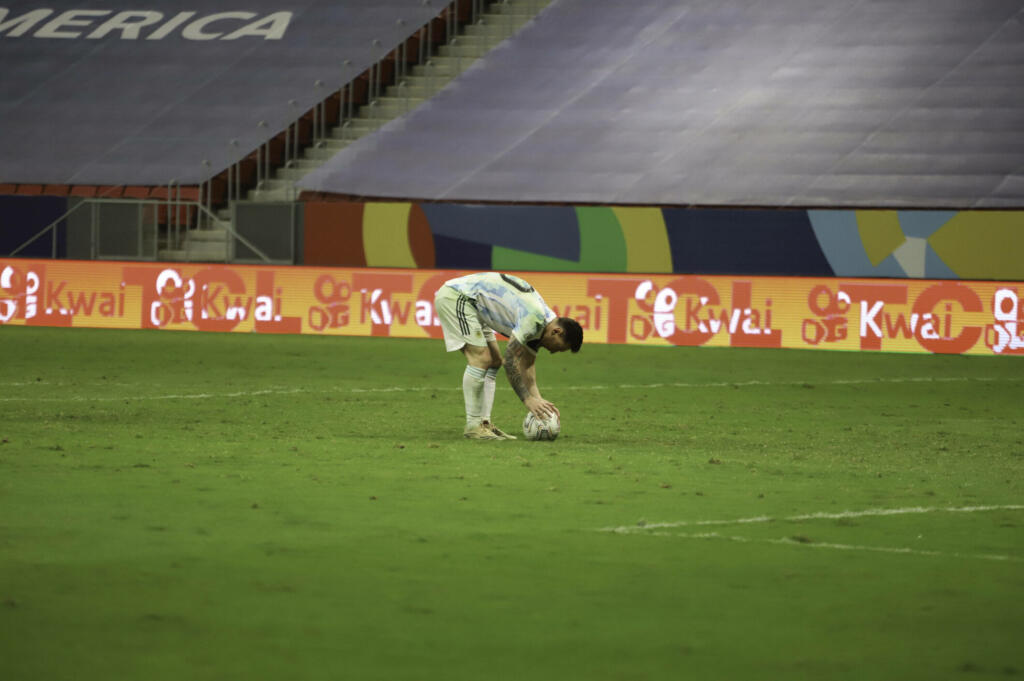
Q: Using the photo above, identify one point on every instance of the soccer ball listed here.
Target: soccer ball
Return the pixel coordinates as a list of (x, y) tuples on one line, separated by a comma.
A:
[(541, 429)]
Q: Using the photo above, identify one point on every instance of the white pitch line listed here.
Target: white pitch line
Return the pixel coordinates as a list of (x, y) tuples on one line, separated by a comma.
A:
[(212, 396), (127, 398), (840, 547), (396, 389), (647, 527), (755, 383)]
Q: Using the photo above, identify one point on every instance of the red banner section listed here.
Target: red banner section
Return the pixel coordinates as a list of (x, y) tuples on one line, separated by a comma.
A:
[(770, 312)]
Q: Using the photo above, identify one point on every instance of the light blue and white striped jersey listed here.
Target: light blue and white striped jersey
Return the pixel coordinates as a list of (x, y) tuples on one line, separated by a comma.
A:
[(506, 304)]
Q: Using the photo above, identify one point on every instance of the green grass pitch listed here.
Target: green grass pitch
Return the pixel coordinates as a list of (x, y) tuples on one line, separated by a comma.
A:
[(211, 506)]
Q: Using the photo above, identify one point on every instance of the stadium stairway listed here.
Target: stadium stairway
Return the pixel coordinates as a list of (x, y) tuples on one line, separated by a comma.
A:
[(210, 244), (498, 22)]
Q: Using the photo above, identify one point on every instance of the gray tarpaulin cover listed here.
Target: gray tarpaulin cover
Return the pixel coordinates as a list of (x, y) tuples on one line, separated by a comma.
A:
[(739, 102), (114, 92)]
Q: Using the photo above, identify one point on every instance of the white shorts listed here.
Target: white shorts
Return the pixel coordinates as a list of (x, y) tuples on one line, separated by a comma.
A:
[(459, 320)]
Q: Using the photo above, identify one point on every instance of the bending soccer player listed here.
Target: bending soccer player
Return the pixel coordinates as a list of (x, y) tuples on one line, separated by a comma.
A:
[(471, 309)]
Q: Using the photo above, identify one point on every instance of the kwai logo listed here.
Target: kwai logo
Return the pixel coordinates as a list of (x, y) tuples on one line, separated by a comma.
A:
[(1008, 327), (98, 24)]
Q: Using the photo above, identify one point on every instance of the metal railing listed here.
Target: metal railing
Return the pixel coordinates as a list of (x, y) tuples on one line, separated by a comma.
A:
[(154, 227)]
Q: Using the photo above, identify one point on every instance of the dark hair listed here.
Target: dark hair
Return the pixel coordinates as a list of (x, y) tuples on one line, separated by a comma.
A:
[(573, 332)]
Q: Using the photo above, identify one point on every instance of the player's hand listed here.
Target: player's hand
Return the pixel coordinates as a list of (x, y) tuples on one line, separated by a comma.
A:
[(541, 408)]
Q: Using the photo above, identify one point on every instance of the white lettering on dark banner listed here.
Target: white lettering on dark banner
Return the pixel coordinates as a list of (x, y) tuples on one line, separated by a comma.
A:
[(97, 24)]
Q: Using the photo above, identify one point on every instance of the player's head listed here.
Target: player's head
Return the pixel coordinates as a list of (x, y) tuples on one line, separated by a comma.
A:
[(561, 334)]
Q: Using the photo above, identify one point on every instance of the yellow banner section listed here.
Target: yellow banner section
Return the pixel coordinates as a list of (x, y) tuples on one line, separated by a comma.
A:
[(789, 312)]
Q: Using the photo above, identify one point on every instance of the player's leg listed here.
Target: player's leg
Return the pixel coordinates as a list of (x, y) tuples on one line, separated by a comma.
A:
[(462, 331), (473, 383), (491, 386)]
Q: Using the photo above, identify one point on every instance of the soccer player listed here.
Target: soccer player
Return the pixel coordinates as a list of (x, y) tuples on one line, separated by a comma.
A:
[(471, 309)]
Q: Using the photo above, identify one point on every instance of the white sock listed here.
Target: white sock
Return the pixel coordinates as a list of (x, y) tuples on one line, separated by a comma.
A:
[(490, 384), (473, 392)]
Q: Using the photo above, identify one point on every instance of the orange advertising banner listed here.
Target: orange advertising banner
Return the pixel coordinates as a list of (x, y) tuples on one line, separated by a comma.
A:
[(900, 315)]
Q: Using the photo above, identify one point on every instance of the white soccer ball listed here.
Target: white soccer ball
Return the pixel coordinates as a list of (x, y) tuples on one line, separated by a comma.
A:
[(541, 429)]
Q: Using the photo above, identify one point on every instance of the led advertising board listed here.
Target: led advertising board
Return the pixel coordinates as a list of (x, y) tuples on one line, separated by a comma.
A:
[(898, 315)]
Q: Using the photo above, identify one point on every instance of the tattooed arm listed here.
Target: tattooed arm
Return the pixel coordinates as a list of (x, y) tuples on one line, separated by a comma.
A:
[(519, 367)]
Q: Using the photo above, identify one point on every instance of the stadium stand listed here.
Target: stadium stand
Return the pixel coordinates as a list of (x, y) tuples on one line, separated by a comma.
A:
[(147, 97), (657, 102), (690, 121), (179, 105)]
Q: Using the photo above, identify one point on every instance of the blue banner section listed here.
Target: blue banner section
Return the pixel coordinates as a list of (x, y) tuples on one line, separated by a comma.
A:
[(536, 229), (23, 217), (744, 241)]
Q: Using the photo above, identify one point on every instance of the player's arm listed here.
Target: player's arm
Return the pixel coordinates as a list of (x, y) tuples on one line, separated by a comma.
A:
[(522, 374)]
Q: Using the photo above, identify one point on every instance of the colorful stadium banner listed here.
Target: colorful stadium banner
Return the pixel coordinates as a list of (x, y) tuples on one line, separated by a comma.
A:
[(898, 315), (914, 244)]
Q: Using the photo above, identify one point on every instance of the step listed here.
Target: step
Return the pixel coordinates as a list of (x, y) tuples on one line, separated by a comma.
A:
[(440, 66), (416, 89), (217, 235), (515, 9), (479, 39), (430, 85), (209, 252), (321, 154), (389, 107), (400, 97), (337, 139), (283, 193), (492, 27), (463, 51), (288, 174), (510, 15), (311, 166), (499, 26), (305, 164), (364, 125), (274, 183), (171, 255), (293, 174), (381, 117)]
